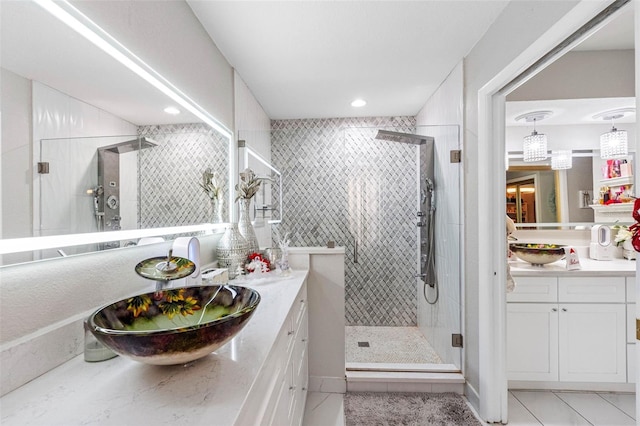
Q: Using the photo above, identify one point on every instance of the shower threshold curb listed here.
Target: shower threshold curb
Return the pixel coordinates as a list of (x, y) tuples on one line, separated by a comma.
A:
[(401, 367), (405, 381)]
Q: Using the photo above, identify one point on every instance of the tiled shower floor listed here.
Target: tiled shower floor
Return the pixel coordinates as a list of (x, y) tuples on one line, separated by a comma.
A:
[(401, 345)]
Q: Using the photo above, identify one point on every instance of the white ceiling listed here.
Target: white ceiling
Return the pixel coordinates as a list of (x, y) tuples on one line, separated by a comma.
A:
[(568, 111), (306, 59)]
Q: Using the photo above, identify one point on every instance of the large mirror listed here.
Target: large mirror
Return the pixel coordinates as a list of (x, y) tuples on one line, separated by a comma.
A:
[(584, 94), (87, 145)]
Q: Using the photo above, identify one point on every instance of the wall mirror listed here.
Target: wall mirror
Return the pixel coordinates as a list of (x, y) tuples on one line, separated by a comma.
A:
[(573, 105), (267, 205), (73, 106), (536, 194)]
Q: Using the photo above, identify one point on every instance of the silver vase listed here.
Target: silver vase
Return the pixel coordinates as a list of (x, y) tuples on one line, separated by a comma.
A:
[(216, 210), (232, 250), (245, 226)]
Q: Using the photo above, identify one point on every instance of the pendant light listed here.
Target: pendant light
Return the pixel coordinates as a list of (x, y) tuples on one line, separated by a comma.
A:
[(614, 143), (561, 159), (534, 146)]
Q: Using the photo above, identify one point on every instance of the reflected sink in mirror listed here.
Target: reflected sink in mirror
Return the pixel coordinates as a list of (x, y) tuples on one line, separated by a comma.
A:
[(538, 254), (176, 325)]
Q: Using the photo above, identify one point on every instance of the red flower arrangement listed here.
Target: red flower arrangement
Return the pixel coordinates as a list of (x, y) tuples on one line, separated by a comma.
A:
[(257, 261), (635, 228)]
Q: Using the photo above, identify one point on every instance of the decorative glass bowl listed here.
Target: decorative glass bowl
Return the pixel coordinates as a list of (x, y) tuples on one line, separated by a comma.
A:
[(174, 326), (538, 254)]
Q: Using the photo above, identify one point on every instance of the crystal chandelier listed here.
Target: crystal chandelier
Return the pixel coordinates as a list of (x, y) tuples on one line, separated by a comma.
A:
[(561, 160), (614, 143), (534, 147)]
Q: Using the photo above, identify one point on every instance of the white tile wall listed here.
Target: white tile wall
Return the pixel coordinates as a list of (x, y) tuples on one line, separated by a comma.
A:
[(16, 160), (73, 161)]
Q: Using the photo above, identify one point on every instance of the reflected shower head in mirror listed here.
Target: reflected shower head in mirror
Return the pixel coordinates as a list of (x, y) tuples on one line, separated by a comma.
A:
[(132, 145), (409, 138)]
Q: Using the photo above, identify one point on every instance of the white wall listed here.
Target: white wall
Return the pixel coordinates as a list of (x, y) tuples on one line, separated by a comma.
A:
[(439, 321), (520, 24), (16, 160), (169, 38)]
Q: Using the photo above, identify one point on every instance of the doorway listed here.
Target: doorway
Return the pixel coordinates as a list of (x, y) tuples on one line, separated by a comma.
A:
[(492, 98)]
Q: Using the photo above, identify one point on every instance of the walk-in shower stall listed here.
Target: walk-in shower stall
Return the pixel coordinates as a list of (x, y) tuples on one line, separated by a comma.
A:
[(389, 192)]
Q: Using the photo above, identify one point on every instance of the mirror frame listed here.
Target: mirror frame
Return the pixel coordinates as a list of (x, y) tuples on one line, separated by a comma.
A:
[(80, 23)]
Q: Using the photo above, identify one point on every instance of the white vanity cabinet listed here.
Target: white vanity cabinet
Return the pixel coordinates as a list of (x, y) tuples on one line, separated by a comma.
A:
[(291, 393), (278, 396), (567, 329)]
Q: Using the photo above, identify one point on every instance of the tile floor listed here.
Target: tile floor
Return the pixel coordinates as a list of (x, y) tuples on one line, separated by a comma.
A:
[(571, 408), (525, 408), (401, 345)]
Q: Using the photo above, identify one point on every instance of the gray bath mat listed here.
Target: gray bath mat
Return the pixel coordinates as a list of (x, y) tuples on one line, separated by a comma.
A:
[(407, 409)]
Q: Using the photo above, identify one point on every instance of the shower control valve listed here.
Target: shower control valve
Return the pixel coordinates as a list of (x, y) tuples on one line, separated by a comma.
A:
[(421, 214), (420, 224)]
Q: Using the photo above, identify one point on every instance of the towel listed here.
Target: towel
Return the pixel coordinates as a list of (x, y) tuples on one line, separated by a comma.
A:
[(511, 228)]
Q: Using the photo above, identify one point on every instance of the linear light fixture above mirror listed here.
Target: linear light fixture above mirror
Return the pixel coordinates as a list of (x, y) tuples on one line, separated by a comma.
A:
[(18, 245)]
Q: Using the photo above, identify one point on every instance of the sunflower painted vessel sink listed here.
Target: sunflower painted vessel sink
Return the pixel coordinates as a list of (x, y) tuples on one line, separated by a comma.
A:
[(174, 326), (538, 254)]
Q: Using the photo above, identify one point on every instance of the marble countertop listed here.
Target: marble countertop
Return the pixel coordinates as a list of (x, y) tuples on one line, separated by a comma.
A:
[(589, 267), (120, 391)]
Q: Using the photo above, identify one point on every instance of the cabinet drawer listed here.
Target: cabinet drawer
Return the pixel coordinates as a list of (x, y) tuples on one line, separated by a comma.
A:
[(534, 289), (631, 289), (591, 289)]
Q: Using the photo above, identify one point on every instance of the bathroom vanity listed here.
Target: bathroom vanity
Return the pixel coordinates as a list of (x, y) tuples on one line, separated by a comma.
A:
[(572, 329), (259, 377)]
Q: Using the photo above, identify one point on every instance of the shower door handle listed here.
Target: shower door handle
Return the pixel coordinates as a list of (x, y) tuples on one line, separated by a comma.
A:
[(355, 249)]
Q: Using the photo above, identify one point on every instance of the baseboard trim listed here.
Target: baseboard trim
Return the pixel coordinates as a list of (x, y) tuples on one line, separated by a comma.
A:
[(572, 386)]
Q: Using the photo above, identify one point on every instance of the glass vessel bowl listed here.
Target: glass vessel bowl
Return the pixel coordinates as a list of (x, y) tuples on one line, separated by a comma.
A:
[(174, 326), (538, 254)]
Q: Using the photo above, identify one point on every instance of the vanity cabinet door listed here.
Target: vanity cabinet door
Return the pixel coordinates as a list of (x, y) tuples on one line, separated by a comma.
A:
[(592, 343), (532, 341)]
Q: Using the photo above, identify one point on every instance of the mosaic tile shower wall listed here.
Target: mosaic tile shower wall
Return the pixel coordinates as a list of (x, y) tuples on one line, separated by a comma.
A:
[(341, 184), (170, 172)]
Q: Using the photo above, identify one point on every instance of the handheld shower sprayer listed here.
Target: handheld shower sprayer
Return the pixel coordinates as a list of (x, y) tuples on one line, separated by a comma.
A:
[(432, 192)]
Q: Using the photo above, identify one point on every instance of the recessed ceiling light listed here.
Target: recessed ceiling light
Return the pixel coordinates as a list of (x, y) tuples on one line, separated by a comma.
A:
[(172, 110), (358, 103)]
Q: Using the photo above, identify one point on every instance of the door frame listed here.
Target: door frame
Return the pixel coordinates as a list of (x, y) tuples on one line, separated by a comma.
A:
[(491, 138)]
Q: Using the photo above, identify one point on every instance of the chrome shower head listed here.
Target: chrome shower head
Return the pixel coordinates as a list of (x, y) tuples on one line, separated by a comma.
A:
[(409, 138), (128, 146)]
